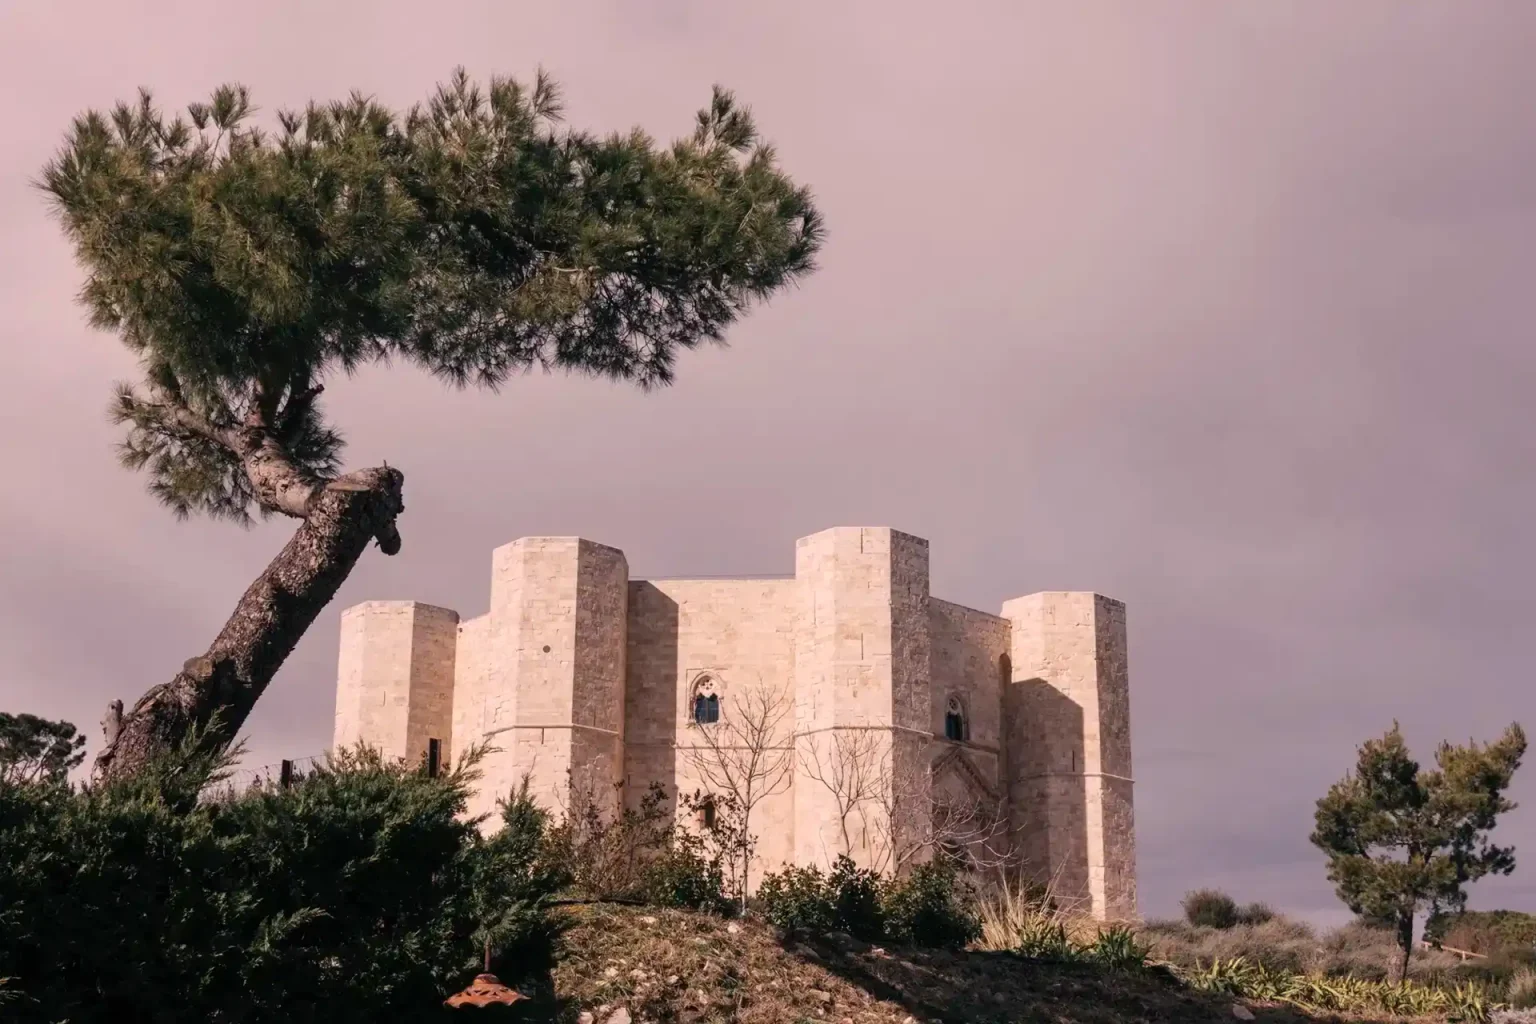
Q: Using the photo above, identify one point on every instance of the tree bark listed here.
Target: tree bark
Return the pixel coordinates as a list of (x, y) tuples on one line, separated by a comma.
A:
[(1405, 942), (340, 518)]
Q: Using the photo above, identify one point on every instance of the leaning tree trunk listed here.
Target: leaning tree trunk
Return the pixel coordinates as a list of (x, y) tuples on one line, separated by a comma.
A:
[(216, 691)]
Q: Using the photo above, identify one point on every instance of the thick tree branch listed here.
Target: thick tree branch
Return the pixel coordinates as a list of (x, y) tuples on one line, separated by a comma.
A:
[(278, 483), (178, 418)]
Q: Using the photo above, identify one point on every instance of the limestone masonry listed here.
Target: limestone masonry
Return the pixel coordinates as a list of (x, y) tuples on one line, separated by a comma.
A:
[(884, 722)]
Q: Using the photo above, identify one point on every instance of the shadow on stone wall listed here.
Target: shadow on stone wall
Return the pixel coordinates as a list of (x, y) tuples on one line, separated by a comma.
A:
[(1047, 790), (652, 697)]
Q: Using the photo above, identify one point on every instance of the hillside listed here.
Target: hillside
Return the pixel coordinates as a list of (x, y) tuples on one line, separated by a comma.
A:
[(664, 966)]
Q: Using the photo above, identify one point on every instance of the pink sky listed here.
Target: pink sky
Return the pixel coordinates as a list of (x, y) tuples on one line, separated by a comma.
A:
[(1221, 309)]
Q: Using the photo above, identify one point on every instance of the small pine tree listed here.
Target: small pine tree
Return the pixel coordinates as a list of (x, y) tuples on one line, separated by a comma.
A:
[(473, 237), (1401, 839)]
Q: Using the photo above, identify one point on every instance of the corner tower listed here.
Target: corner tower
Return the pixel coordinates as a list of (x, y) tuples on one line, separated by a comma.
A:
[(1066, 722), (394, 687), (553, 697), (861, 683)]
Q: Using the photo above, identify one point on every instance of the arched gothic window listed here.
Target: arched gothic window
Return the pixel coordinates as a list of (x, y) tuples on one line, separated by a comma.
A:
[(706, 702), (954, 721)]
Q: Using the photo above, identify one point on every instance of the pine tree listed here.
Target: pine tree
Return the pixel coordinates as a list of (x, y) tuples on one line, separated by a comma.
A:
[(473, 236), (1401, 839), (37, 750)]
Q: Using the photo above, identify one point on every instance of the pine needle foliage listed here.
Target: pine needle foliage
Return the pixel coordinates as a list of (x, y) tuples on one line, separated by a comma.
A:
[(361, 893), (37, 750), (474, 235), (1402, 839)]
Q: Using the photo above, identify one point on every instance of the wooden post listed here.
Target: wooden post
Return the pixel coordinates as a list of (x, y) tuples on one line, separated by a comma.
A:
[(285, 774), (434, 758)]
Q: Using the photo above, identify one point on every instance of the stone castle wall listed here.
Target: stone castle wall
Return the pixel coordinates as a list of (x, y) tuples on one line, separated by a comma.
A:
[(583, 680), (734, 638)]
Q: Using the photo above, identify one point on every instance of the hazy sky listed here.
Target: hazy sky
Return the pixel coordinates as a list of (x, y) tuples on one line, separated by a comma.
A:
[(1221, 309)]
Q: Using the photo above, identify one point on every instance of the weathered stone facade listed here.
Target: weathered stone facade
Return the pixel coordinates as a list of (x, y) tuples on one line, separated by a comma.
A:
[(889, 722)]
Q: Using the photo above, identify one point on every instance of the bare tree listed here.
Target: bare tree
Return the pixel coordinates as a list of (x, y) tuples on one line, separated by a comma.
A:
[(745, 757), (849, 764), (972, 830), (884, 806)]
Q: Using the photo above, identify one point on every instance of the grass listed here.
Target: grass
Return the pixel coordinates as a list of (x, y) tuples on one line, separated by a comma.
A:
[(1282, 944), (1521, 989), (1270, 959)]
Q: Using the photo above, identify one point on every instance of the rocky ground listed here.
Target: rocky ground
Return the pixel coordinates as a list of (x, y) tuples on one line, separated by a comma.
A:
[(627, 966)]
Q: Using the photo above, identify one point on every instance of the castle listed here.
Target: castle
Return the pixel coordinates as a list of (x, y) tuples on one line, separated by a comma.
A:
[(881, 722)]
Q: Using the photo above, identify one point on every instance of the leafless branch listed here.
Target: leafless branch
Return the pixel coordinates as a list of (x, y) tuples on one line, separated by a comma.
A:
[(848, 764), (746, 756), (856, 767)]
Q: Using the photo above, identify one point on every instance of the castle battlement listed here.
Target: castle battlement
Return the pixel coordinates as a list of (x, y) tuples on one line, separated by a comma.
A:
[(892, 721)]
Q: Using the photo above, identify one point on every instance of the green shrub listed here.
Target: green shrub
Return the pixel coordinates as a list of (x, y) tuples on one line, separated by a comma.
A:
[(1210, 908), (1046, 938), (1117, 949), (855, 893), (359, 894), (607, 854), (931, 907), (683, 876), (797, 899)]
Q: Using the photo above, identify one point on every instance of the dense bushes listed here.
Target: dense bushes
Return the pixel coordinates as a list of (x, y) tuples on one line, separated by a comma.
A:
[(1211, 908), (1207, 908), (931, 906), (799, 900), (1491, 932), (928, 907), (861, 903), (358, 894), (1283, 944)]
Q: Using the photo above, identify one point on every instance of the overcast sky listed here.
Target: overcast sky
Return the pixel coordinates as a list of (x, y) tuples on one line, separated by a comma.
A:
[(1220, 309)]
